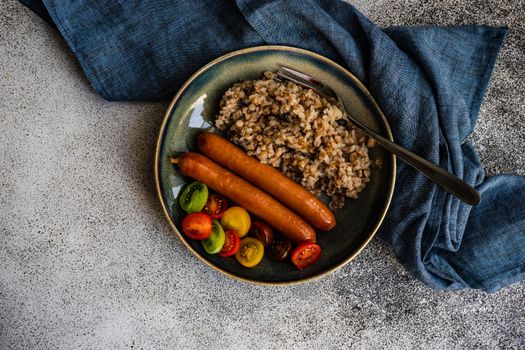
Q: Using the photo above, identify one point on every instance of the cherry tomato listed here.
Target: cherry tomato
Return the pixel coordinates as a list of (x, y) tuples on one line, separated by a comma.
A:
[(215, 206), (306, 254), (262, 232), (250, 253), (237, 219), (197, 226), (231, 246), (194, 197), (280, 248), (213, 244)]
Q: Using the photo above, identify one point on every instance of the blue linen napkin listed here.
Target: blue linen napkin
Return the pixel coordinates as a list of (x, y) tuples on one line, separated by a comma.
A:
[(429, 81)]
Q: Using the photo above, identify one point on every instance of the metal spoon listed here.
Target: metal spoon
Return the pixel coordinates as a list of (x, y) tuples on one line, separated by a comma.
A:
[(439, 176)]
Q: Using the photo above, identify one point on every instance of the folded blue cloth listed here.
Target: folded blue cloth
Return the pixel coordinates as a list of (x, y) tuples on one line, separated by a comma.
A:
[(429, 81)]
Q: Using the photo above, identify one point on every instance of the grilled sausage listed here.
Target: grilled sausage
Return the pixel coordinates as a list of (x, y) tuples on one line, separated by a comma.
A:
[(271, 180), (251, 198)]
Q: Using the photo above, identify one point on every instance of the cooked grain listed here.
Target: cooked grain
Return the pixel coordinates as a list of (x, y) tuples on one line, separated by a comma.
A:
[(299, 132)]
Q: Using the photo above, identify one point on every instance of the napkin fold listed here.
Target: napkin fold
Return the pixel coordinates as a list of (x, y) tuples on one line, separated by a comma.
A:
[(429, 81)]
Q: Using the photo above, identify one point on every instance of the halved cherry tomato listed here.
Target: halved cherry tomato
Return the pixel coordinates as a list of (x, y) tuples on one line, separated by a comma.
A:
[(231, 246), (194, 197), (262, 232), (197, 226), (250, 253), (213, 244), (306, 254), (215, 206), (237, 219), (280, 248)]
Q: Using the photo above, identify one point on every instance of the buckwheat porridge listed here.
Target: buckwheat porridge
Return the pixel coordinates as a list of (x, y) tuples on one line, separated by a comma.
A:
[(299, 132)]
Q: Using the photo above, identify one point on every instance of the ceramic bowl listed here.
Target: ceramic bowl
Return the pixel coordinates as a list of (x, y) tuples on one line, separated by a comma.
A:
[(193, 110)]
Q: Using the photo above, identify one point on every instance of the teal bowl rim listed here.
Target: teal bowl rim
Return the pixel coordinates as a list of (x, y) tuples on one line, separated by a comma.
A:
[(363, 89)]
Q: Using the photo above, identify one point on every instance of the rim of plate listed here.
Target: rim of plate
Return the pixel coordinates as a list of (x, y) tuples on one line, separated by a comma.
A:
[(328, 61)]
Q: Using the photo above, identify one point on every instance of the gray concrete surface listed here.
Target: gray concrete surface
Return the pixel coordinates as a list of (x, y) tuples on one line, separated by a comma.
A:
[(88, 261)]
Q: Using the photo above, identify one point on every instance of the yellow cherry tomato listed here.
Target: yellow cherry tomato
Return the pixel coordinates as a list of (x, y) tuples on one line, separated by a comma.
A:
[(236, 219), (250, 252)]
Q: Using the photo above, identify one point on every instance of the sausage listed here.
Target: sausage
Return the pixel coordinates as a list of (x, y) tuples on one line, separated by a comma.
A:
[(251, 198), (271, 180)]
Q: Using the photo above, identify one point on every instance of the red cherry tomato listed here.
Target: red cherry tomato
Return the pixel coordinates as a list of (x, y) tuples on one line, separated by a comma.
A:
[(215, 206), (262, 232), (197, 226), (231, 245), (306, 254)]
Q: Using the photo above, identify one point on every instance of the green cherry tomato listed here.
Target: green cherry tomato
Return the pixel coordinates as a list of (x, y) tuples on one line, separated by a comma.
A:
[(194, 197), (213, 244)]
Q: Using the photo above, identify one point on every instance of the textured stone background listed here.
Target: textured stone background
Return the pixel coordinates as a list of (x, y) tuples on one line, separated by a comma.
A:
[(87, 259)]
